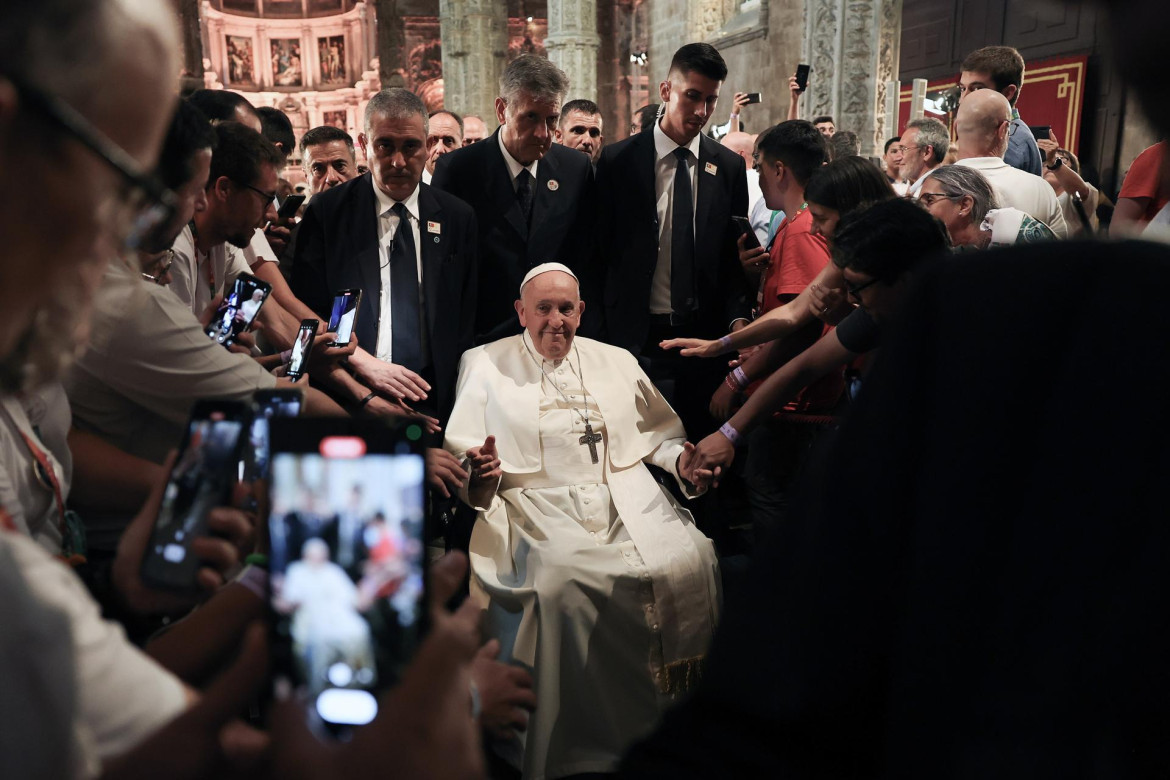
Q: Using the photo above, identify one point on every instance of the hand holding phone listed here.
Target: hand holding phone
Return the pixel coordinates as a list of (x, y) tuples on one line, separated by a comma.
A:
[(802, 71), (299, 359), (288, 208), (752, 97), (344, 315), (238, 309)]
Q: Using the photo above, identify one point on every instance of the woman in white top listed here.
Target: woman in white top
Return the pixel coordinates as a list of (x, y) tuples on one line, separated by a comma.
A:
[(1062, 170)]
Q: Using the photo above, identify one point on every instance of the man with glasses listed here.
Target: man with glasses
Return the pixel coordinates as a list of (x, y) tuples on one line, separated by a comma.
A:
[(1001, 69), (983, 125), (208, 253), (924, 146)]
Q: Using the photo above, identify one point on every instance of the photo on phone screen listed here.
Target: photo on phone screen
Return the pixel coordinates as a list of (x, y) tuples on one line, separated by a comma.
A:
[(301, 348), (341, 320), (238, 308), (266, 404), (347, 564), (206, 468)]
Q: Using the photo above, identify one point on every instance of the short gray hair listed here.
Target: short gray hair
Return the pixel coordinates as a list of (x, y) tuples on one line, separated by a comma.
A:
[(958, 180), (396, 103), (534, 75), (934, 134)]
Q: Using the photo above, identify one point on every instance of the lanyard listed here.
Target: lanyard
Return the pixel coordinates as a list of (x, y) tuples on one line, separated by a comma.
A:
[(208, 270), (47, 477)]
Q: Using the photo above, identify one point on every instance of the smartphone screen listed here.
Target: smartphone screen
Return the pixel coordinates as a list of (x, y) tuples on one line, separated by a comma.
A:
[(345, 305), (347, 565), (238, 308), (206, 468), (267, 404), (1042, 131), (802, 72), (301, 348), (753, 97)]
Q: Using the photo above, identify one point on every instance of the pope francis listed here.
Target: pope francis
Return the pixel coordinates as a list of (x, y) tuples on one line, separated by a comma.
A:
[(592, 575)]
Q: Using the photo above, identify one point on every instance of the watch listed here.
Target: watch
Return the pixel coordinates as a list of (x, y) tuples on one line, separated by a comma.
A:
[(1056, 165)]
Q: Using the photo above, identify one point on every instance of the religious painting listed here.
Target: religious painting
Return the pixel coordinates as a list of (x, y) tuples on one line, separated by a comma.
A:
[(241, 67), (324, 6), (331, 55), (247, 6), (334, 119), (282, 7), (286, 62)]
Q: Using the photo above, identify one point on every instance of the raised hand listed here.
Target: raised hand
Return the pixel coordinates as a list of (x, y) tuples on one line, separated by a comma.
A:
[(694, 347), (828, 304), (485, 462), (390, 378)]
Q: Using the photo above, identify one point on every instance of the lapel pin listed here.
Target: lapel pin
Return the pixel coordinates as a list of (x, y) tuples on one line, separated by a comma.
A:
[(710, 168), (434, 227), (436, 239), (553, 185)]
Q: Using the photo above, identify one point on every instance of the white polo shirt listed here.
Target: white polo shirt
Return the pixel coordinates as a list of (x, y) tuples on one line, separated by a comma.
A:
[(1021, 190)]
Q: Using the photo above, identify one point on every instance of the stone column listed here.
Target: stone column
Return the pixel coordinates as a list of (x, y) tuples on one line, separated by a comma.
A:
[(192, 39), (474, 35), (390, 43), (572, 43), (854, 47)]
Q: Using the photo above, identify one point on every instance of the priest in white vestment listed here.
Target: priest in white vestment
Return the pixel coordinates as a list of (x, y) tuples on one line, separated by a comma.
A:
[(592, 575)]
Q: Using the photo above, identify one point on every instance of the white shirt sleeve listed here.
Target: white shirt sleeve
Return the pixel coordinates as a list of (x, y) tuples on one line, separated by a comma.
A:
[(258, 252), (123, 696)]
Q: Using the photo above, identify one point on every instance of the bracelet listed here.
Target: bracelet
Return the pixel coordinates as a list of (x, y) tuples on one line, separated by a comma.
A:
[(476, 704), (254, 579), (732, 435), (729, 380), (735, 116), (256, 559), (741, 377), (362, 403)]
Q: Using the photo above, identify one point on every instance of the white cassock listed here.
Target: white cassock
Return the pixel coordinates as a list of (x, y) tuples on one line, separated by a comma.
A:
[(591, 574)]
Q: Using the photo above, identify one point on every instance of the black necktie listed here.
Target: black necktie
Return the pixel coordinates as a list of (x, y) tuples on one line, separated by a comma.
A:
[(682, 239), (405, 323), (524, 194)]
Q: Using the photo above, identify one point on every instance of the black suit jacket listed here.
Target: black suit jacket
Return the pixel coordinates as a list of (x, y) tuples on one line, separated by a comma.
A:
[(627, 244), (337, 248), (561, 229)]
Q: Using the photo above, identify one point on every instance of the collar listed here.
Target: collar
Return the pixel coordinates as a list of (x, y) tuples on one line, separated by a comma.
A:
[(664, 145), (984, 163), (385, 202), (514, 165), (1015, 114)]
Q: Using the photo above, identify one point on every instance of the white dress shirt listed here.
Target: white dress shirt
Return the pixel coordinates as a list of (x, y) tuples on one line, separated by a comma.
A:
[(664, 168), (387, 228), (515, 166)]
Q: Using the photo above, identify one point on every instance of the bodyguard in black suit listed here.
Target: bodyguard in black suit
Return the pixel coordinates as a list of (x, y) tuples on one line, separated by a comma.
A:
[(339, 247), (666, 246), (533, 199)]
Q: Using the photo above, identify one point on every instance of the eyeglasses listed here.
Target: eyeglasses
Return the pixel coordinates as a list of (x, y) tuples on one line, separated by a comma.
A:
[(930, 198), (146, 201), (268, 196), (1011, 126), (904, 149), (855, 290)]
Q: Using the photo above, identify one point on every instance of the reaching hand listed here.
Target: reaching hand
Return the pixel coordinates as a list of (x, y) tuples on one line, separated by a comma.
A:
[(231, 536), (391, 378), (715, 453), (380, 407), (485, 462), (752, 259), (444, 471), (505, 693), (693, 347), (690, 469), (829, 304), (324, 356)]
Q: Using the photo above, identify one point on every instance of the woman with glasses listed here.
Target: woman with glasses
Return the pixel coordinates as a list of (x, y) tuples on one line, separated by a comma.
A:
[(963, 200), (878, 250)]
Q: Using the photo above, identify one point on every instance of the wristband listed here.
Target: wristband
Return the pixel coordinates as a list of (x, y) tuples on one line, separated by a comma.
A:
[(255, 579), (741, 377), (362, 403), (257, 559), (735, 116), (476, 704), (725, 342), (731, 434)]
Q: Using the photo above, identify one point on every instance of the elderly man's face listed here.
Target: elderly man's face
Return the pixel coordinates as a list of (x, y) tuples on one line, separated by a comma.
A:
[(474, 130), (527, 125), (329, 164), (443, 136), (397, 151), (550, 309), (58, 233)]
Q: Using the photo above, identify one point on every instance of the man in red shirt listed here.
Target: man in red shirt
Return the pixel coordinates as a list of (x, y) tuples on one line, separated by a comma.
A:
[(1143, 193)]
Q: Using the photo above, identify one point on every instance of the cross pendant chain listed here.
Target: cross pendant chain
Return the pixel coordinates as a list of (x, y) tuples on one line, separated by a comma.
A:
[(590, 440)]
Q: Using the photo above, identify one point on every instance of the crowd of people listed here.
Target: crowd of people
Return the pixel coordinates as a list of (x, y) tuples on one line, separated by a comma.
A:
[(630, 364)]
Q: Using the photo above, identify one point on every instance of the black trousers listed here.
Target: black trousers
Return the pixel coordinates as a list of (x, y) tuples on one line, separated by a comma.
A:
[(687, 383)]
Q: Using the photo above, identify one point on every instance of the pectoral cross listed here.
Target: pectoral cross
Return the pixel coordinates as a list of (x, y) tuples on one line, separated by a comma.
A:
[(590, 440)]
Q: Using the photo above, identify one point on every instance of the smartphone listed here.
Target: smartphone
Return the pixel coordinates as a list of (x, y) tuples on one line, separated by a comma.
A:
[(202, 478), (238, 308), (752, 97), (266, 404), (345, 305), (743, 225), (1042, 131), (347, 565), (802, 72), (288, 208), (301, 348)]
